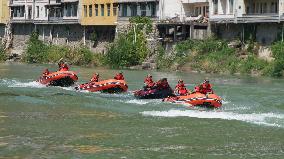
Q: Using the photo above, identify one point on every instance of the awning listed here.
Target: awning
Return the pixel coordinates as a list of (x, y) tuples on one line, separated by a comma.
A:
[(53, 4), (194, 1), (16, 5), (69, 1), (125, 1)]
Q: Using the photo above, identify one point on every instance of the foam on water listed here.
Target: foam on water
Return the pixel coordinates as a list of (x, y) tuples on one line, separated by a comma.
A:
[(256, 118), (143, 102), (15, 83)]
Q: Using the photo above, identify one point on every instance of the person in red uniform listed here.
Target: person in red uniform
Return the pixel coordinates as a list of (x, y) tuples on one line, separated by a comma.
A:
[(63, 65), (162, 84), (45, 72), (119, 76), (148, 82), (95, 78), (204, 88), (180, 88)]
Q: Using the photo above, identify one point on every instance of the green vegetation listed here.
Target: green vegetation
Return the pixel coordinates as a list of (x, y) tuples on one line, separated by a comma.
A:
[(2, 53), (38, 52), (215, 56), (130, 48), (277, 66)]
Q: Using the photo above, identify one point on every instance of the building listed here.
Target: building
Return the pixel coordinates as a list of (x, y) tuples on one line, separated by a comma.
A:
[(99, 12), (99, 20), (182, 19), (4, 16), (56, 21), (260, 20), (132, 8)]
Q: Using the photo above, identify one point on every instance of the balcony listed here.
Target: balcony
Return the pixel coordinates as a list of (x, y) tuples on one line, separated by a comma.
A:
[(256, 18), (194, 1)]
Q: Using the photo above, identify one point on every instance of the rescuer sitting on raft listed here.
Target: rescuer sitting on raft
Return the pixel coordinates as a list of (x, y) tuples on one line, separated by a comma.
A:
[(204, 88), (180, 88), (95, 78), (45, 72), (63, 65), (148, 82), (119, 76), (162, 84)]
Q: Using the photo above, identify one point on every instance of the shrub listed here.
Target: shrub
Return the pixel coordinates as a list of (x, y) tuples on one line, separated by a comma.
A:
[(126, 51), (2, 53), (36, 51)]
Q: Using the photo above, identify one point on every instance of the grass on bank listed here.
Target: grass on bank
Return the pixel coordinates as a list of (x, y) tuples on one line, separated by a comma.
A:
[(215, 56), (39, 52)]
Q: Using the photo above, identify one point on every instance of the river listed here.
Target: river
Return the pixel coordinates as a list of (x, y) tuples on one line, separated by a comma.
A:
[(53, 122)]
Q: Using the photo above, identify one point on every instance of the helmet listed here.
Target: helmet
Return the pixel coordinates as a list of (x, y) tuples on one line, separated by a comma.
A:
[(97, 74), (120, 72), (149, 75), (180, 80)]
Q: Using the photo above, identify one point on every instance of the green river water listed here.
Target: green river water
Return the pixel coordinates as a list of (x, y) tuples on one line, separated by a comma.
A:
[(53, 122)]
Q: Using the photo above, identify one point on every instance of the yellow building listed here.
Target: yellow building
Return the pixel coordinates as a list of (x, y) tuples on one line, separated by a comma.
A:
[(4, 11), (99, 12)]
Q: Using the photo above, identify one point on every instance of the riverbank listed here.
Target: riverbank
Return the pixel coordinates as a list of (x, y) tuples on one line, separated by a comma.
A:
[(217, 56), (205, 56)]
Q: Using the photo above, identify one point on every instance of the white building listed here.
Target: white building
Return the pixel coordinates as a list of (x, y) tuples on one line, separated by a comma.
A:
[(261, 20)]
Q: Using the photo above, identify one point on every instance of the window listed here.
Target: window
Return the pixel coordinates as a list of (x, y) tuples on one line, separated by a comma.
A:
[(85, 11), (45, 12), (90, 10), (265, 8), (153, 9), (114, 9), (231, 6), (75, 10), (276, 7), (124, 10), (96, 10), (215, 6), (108, 9), (133, 9), (102, 10), (68, 10), (37, 11), (143, 9)]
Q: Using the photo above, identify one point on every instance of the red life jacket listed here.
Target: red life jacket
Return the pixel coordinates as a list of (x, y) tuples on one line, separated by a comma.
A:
[(64, 67), (206, 88), (197, 89), (182, 91), (119, 77), (95, 79), (149, 82)]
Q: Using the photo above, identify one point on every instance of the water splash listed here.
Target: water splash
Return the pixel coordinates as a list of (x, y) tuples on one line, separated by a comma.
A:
[(268, 119), (16, 83)]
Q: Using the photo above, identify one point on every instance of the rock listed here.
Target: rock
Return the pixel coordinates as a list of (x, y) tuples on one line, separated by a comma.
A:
[(235, 44)]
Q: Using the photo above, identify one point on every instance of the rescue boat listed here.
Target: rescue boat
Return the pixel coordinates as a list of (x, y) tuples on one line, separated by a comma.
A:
[(154, 93), (197, 99), (59, 78), (106, 86)]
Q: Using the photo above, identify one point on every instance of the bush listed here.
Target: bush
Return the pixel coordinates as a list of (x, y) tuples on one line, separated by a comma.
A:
[(276, 69), (125, 51), (2, 53), (36, 51)]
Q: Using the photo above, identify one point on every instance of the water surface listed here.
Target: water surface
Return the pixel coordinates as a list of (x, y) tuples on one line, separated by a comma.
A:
[(53, 122)]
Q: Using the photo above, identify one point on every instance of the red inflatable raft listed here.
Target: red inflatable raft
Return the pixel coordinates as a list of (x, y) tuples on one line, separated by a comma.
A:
[(108, 86), (198, 99), (59, 78)]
